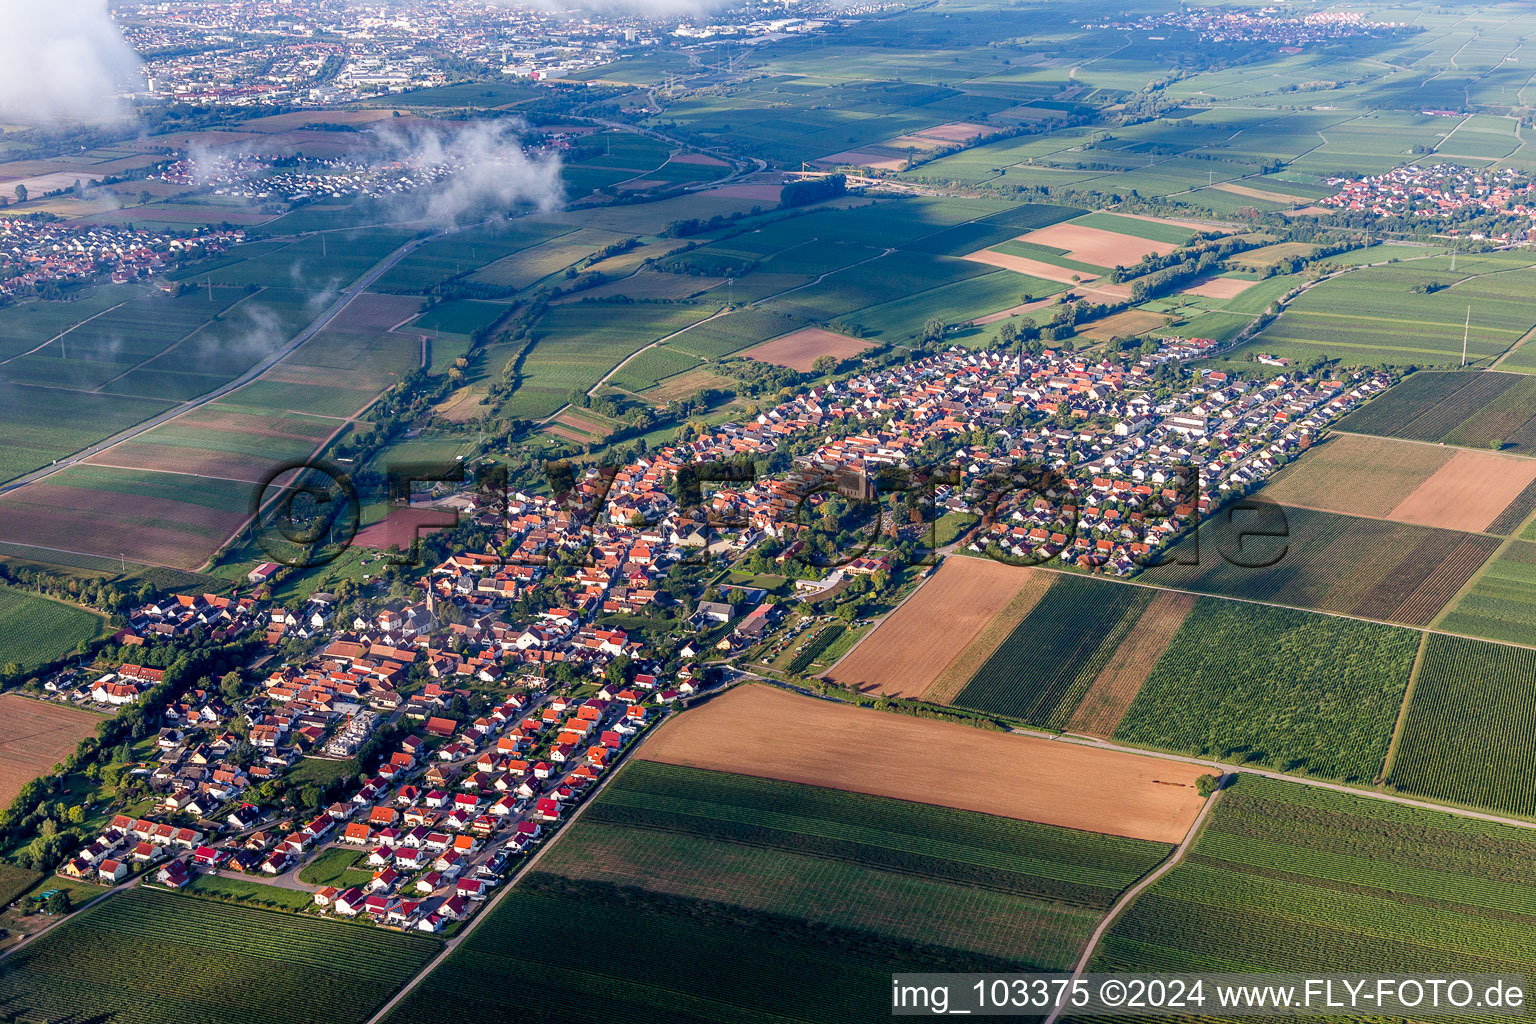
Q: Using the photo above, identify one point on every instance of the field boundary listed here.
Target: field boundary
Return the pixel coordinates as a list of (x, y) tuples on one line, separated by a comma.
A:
[(1128, 897), (1402, 712)]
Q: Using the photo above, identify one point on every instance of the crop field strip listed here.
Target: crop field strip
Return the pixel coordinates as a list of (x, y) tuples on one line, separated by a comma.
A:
[(1467, 736), (684, 864), (1471, 410), (1114, 689), (230, 965), (964, 665), (1501, 603), (1371, 568), (1292, 878), (1041, 672), (917, 641)]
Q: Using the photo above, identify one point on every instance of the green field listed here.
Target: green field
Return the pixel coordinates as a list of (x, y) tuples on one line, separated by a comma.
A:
[(1291, 878), (36, 630), (736, 883), (41, 425), (578, 343), (229, 964), (1152, 231), (1380, 316), (336, 867), (1289, 690), (1466, 738), (1502, 602)]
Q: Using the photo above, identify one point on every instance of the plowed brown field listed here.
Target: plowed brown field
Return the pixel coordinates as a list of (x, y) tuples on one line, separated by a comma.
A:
[(763, 731), (911, 647), (34, 737)]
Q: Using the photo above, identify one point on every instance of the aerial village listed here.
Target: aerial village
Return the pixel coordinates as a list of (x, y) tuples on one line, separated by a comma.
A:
[(1437, 191), (492, 699), (35, 252)]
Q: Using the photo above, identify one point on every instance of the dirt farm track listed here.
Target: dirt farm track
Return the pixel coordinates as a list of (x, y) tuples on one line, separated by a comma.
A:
[(760, 730)]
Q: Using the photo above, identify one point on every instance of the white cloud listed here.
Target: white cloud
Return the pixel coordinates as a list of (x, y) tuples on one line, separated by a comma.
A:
[(492, 173), (62, 60)]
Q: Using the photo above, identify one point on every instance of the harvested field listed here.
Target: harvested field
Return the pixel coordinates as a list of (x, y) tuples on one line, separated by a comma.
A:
[(1094, 245), (948, 684), (1130, 322), (956, 131), (1254, 193), (1024, 265), (867, 751), (34, 737), (687, 383), (152, 530), (1468, 492), (913, 645), (583, 424), (1267, 254), (800, 349), (700, 159), (1381, 472), (372, 312), (1119, 681), (1219, 287), (880, 159)]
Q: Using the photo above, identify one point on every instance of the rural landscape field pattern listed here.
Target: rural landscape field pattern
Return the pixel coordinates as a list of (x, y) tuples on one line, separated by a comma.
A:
[(684, 512)]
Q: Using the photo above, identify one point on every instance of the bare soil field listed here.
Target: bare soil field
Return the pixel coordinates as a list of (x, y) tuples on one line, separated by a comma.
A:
[(908, 650), (1132, 321), (1118, 682), (1025, 265), (374, 312), (34, 737), (948, 683), (700, 159), (402, 527), (577, 421), (1468, 492), (878, 158), (1357, 475), (1254, 193), (568, 434), (770, 733), (800, 349), (1097, 246), (956, 131), (1219, 287), (101, 522)]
